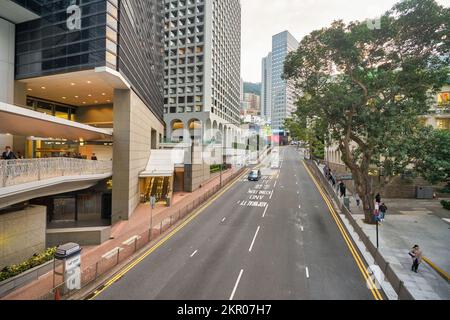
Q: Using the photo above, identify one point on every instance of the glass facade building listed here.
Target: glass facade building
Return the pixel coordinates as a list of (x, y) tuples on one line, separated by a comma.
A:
[(123, 35)]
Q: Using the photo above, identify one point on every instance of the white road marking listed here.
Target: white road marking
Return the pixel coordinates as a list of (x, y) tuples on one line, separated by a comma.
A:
[(299, 206), (223, 220), (194, 253), (298, 192), (307, 273), (254, 239), (271, 195), (302, 228), (275, 184), (265, 210), (236, 285), (112, 253)]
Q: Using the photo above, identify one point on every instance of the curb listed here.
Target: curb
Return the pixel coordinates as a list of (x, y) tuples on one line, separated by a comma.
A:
[(441, 272)]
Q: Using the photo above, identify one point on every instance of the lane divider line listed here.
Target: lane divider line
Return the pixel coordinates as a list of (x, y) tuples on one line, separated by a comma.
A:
[(236, 285), (307, 273), (265, 211), (194, 215), (254, 239), (194, 253), (373, 288)]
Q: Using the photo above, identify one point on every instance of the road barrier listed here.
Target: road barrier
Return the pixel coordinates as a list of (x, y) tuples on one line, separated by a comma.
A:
[(104, 268), (398, 285)]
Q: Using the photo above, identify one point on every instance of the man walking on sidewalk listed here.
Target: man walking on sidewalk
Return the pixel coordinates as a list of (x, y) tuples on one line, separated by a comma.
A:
[(383, 210), (416, 255), (343, 189)]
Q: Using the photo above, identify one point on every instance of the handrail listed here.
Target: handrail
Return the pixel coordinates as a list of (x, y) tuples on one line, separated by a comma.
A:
[(16, 172)]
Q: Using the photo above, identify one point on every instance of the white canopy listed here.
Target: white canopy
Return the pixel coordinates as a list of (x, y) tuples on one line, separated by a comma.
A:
[(162, 163)]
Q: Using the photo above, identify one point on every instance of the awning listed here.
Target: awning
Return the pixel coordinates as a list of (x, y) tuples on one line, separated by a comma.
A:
[(24, 122), (162, 163)]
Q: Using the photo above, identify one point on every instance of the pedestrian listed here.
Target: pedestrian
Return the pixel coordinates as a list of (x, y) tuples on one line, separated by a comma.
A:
[(94, 157), (378, 198), (416, 255), (383, 210), (326, 171), (153, 201), (358, 200), (343, 189), (8, 154), (333, 181), (376, 213), (20, 156)]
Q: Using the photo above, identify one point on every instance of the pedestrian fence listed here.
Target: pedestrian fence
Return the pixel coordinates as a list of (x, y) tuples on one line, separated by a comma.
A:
[(101, 269), (15, 172), (390, 275)]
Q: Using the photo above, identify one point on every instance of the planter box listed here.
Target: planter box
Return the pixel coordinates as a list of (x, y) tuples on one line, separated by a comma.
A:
[(9, 285)]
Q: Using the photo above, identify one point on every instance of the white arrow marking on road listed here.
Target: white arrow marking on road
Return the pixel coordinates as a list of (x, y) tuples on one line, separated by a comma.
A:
[(236, 285), (254, 239), (195, 252)]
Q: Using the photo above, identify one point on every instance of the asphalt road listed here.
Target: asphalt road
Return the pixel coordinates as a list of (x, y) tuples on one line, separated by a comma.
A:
[(271, 240)]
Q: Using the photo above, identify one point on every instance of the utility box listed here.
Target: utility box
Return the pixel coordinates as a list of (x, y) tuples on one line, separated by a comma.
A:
[(424, 193)]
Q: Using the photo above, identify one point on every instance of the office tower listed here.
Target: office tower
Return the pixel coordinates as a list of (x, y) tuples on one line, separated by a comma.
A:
[(283, 98), (202, 68), (266, 88)]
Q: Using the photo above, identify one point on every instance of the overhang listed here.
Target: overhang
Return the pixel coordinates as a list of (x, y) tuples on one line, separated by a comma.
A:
[(162, 163), (24, 122)]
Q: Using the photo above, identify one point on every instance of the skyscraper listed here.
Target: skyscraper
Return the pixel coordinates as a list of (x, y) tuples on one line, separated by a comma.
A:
[(283, 99), (202, 67), (266, 87)]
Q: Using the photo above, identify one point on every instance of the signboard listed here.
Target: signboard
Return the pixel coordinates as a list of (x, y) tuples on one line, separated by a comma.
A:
[(344, 177), (73, 273)]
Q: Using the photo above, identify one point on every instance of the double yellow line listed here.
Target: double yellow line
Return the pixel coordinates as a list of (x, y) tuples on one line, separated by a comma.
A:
[(164, 240), (373, 288)]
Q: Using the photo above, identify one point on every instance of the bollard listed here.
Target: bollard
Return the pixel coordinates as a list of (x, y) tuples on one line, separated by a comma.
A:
[(118, 255), (135, 244), (96, 270)]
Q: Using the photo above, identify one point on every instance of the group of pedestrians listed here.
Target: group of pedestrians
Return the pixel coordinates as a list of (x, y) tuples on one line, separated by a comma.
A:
[(380, 209), (340, 185)]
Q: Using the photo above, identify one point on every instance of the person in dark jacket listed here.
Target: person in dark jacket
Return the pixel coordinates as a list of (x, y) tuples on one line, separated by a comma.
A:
[(8, 154), (343, 189), (94, 157), (383, 210)]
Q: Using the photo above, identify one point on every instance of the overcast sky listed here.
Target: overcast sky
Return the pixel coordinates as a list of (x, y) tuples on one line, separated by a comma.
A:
[(263, 18)]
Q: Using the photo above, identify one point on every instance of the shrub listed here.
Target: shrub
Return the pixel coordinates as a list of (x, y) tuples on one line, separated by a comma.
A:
[(34, 261), (446, 204)]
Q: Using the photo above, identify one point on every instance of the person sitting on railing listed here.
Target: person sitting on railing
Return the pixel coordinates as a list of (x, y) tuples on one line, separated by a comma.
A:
[(8, 154)]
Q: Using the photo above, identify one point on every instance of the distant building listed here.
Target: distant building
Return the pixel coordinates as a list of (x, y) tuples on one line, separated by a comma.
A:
[(251, 105), (277, 94), (266, 87)]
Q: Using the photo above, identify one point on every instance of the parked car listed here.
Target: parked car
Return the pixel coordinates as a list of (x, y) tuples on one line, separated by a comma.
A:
[(254, 175)]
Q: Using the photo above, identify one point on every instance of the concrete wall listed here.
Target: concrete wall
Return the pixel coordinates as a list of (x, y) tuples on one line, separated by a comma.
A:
[(22, 234), (133, 124)]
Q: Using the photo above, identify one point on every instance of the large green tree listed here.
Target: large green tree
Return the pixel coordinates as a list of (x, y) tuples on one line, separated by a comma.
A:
[(368, 85)]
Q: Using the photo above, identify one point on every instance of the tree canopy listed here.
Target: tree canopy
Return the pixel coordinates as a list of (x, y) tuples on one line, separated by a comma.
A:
[(367, 86)]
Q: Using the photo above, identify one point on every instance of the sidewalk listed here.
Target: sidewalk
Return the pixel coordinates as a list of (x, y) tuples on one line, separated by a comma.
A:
[(409, 222), (139, 223)]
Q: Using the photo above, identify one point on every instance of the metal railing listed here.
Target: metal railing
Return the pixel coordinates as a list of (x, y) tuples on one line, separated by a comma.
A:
[(16, 172), (106, 266)]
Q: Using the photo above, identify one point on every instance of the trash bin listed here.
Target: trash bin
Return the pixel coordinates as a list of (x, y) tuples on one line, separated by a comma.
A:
[(424, 193)]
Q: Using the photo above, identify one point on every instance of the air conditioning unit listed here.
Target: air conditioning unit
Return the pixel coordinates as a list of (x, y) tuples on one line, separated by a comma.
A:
[(424, 193)]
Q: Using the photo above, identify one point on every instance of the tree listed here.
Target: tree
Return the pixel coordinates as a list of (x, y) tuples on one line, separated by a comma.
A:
[(367, 86)]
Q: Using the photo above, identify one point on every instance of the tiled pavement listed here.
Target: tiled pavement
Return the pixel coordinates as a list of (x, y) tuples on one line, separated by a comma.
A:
[(419, 223)]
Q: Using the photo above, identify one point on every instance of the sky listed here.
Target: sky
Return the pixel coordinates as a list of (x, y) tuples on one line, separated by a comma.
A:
[(263, 18)]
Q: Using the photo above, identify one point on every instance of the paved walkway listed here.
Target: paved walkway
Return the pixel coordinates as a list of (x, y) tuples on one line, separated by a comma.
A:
[(410, 222), (139, 223)]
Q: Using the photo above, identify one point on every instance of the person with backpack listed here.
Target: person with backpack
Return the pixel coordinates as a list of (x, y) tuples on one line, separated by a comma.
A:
[(383, 210), (416, 255)]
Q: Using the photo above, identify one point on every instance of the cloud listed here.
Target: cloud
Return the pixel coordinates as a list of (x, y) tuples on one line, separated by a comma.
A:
[(263, 18)]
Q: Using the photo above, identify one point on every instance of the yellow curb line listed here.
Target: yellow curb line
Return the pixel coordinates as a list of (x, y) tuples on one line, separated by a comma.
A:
[(166, 238), (375, 292), (441, 272)]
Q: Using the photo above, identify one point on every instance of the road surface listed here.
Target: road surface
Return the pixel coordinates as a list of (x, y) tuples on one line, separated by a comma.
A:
[(271, 240)]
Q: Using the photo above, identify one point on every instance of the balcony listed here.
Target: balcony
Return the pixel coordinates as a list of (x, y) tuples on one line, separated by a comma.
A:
[(22, 180)]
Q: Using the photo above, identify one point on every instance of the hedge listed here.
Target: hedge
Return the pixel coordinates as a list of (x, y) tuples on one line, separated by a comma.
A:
[(36, 260), (446, 204)]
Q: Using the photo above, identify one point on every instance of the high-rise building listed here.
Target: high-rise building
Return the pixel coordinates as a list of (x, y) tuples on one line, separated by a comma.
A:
[(283, 96), (202, 67), (266, 88), (72, 72)]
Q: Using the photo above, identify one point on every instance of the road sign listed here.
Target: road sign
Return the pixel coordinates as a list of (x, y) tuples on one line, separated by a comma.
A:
[(344, 177)]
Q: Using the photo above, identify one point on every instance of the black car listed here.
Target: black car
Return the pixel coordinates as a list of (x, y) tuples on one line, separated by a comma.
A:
[(254, 175)]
